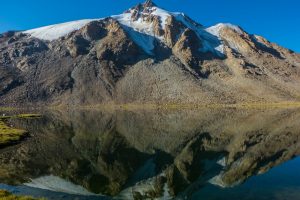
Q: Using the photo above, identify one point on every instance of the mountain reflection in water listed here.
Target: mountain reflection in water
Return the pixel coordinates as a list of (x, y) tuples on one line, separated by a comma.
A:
[(152, 154)]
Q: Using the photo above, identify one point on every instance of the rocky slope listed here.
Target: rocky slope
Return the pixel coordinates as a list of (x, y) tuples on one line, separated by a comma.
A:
[(145, 55)]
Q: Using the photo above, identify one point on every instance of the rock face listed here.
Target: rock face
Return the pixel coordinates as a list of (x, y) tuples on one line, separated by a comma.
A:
[(145, 55)]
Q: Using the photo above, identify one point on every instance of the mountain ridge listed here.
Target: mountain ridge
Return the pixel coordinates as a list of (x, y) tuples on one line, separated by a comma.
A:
[(145, 55)]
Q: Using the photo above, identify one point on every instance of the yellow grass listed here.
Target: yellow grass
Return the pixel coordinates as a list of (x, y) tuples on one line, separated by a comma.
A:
[(5, 195), (9, 134)]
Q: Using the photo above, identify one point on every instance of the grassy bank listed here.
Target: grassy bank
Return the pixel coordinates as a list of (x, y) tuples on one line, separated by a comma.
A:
[(5, 195), (9, 134)]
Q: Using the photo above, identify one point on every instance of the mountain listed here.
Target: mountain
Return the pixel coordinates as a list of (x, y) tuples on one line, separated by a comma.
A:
[(145, 55)]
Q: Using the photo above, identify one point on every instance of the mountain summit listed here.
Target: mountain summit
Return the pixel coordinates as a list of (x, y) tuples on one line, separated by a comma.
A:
[(144, 55)]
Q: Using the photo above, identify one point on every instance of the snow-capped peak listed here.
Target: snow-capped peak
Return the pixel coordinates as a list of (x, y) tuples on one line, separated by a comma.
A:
[(149, 3), (215, 30), (145, 24), (140, 26)]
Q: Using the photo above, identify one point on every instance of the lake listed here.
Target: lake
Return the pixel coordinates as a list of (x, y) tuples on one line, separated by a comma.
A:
[(156, 154)]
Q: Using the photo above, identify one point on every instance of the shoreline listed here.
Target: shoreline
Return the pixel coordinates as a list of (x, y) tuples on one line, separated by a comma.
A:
[(146, 106)]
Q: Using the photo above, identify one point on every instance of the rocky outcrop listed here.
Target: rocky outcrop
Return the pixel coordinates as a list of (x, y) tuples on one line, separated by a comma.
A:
[(186, 49), (117, 47), (173, 29)]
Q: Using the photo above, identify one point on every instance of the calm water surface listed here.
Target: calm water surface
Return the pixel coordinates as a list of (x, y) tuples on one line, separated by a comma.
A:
[(157, 154)]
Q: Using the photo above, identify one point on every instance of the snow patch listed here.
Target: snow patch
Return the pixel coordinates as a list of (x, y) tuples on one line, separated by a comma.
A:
[(218, 181), (143, 187), (222, 162), (162, 14), (57, 184), (56, 31), (139, 31), (142, 31), (215, 30), (209, 42)]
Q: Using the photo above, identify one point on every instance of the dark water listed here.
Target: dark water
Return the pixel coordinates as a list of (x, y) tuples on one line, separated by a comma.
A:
[(157, 154)]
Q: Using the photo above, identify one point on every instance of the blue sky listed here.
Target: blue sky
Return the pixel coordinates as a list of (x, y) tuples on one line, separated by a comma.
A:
[(277, 20)]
